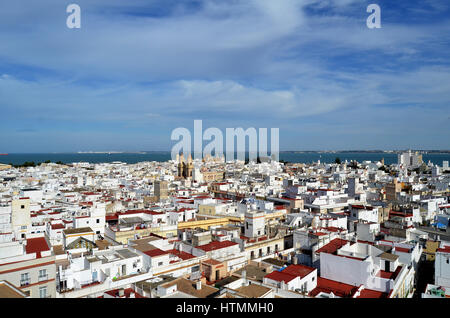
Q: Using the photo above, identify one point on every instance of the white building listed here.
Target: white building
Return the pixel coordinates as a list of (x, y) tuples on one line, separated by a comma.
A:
[(364, 212), (254, 224), (29, 265), (298, 278), (364, 264), (442, 266), (410, 159)]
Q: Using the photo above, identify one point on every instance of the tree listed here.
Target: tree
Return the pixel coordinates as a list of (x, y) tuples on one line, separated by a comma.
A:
[(337, 160), (26, 164)]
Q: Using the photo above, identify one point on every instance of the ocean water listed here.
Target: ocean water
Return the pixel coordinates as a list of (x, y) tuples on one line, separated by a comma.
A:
[(389, 158)]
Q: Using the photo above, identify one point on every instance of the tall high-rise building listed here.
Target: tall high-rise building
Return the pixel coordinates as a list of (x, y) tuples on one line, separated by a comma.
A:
[(445, 165), (435, 171), (410, 159)]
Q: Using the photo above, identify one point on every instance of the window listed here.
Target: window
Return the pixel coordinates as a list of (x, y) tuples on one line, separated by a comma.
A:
[(43, 292), (160, 263), (24, 279), (195, 268), (22, 207), (43, 275), (98, 220)]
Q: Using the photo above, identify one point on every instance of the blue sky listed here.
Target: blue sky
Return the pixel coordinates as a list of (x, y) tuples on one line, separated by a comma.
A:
[(138, 69)]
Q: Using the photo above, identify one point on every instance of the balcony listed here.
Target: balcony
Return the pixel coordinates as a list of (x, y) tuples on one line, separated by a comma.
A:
[(24, 282)]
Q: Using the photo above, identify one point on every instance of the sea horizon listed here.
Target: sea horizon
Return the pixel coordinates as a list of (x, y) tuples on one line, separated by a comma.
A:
[(281, 151), (295, 156)]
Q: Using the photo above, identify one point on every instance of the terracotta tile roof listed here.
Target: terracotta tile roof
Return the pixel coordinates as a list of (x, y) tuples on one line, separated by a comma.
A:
[(36, 245), (280, 276), (111, 217), (138, 212), (299, 270), (215, 245), (57, 226), (156, 252), (211, 262), (446, 249), (390, 275), (337, 288), (183, 255), (332, 247), (127, 293), (369, 293)]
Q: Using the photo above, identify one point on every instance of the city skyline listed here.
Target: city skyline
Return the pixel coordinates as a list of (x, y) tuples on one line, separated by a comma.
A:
[(225, 156)]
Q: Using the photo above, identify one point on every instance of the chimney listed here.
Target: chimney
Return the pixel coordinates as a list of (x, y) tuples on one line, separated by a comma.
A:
[(121, 292), (295, 260), (198, 285)]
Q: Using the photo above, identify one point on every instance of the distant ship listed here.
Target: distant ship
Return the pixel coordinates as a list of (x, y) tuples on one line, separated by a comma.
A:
[(3, 154)]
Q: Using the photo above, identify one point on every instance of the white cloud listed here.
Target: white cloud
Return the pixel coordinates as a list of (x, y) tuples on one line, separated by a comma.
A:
[(229, 61)]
